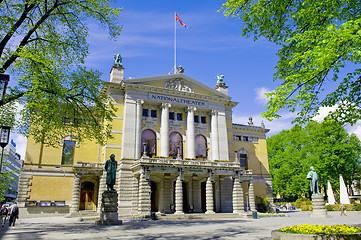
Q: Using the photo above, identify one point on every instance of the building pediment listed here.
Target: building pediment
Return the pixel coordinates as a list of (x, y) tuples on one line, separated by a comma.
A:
[(178, 83)]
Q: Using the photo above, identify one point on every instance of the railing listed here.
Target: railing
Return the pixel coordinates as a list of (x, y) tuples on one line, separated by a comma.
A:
[(187, 162), (89, 165)]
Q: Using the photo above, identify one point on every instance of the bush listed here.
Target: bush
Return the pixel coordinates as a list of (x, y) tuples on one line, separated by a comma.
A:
[(304, 203), (349, 207), (262, 204)]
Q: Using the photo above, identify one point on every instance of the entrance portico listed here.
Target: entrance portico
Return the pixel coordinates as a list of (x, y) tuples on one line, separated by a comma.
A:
[(177, 186)]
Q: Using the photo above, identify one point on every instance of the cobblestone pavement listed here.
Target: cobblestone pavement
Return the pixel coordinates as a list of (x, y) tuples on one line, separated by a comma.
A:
[(231, 228)]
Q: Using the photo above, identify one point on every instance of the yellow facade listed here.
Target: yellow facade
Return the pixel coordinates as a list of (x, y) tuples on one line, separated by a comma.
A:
[(79, 184)]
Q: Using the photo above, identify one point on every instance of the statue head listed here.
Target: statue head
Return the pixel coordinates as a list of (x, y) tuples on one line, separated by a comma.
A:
[(112, 157), (312, 169)]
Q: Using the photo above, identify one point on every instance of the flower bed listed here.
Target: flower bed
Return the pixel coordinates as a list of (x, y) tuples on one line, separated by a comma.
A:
[(319, 229), (312, 232)]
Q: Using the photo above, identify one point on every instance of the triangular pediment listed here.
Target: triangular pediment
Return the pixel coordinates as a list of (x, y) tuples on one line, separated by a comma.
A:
[(178, 82)]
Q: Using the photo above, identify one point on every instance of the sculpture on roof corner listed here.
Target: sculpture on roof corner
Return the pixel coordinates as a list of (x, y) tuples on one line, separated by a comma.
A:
[(180, 69), (220, 79), (118, 59)]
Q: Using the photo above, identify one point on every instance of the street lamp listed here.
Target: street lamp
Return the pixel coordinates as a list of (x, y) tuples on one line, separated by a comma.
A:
[(4, 140), (4, 79)]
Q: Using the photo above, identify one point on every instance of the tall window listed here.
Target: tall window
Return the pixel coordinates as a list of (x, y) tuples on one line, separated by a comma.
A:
[(153, 113), (243, 160), (179, 117), (68, 153), (148, 143), (201, 146), (175, 145)]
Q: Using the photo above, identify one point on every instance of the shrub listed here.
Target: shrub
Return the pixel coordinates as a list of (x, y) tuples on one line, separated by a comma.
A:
[(348, 207), (302, 201), (262, 204)]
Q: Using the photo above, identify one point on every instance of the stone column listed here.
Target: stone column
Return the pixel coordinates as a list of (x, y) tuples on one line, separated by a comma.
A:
[(138, 127), (167, 193), (102, 188), (252, 201), (238, 202), (178, 196), (135, 197), (144, 196), (161, 203), (75, 201), (190, 152), (164, 131), (214, 135), (209, 197)]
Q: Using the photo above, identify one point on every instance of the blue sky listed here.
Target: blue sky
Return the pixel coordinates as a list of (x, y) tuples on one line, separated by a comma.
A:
[(211, 45)]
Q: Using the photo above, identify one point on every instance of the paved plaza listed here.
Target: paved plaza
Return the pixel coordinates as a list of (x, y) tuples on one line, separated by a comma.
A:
[(220, 227)]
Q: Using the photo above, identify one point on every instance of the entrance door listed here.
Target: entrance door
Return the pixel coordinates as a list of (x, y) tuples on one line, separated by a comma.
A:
[(203, 196), (87, 196), (185, 198), (153, 197)]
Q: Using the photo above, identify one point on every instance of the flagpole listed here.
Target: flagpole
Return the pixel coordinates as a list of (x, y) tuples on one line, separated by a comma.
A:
[(175, 43)]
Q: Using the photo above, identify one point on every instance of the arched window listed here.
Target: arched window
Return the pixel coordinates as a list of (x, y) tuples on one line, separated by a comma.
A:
[(149, 143), (201, 146), (175, 142)]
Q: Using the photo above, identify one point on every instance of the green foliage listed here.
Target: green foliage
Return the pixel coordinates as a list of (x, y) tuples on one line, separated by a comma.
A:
[(325, 146), (302, 201), (5, 181), (43, 46), (319, 44), (348, 207), (262, 204)]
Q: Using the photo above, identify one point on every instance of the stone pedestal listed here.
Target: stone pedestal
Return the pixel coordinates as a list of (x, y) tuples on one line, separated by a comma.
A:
[(318, 205), (109, 209)]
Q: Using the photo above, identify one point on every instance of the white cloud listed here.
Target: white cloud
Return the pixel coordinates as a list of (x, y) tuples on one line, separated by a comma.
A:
[(323, 112), (260, 95), (20, 142)]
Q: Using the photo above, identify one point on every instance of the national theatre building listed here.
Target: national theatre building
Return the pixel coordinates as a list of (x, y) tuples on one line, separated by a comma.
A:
[(177, 149)]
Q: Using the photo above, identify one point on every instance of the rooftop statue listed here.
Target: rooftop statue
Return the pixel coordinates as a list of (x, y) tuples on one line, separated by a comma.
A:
[(111, 168), (180, 69), (220, 78), (118, 59), (312, 176)]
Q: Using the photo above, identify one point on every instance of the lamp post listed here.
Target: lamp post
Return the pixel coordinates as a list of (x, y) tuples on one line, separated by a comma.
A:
[(4, 140), (4, 79)]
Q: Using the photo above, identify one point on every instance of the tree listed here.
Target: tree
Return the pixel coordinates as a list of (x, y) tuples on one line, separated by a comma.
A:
[(326, 146), (43, 46), (320, 43)]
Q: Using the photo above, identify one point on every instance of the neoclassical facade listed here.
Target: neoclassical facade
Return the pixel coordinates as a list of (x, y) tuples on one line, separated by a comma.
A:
[(178, 151)]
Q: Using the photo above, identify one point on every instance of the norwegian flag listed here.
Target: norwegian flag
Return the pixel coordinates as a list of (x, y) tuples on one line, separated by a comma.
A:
[(177, 18)]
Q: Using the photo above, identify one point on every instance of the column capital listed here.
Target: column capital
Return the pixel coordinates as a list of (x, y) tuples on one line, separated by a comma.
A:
[(166, 105), (214, 112), (191, 109), (140, 101)]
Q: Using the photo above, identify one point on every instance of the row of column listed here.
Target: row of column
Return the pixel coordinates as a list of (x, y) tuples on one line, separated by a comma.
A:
[(218, 133), (144, 201)]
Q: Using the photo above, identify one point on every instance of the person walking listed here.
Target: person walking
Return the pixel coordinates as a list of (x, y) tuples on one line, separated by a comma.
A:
[(3, 214), (14, 214), (343, 210)]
